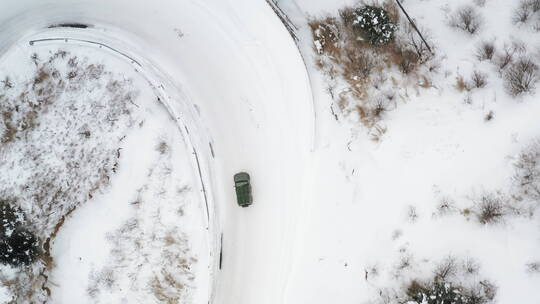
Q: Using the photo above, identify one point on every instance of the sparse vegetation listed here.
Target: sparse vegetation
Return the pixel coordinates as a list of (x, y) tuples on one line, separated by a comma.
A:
[(43, 119), (452, 280), (466, 18), (525, 10), (527, 174), (480, 3), (437, 292), (171, 267), (448, 285), (364, 63)]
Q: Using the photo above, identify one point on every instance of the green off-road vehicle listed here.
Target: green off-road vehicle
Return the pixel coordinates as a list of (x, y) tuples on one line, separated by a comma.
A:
[(243, 189)]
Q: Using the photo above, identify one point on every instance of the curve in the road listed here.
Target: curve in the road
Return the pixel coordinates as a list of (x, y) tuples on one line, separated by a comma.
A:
[(232, 76)]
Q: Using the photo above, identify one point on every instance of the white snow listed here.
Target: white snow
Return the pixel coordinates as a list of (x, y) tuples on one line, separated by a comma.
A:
[(330, 205)]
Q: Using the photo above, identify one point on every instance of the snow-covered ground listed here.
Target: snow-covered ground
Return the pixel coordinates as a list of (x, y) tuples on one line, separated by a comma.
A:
[(100, 146), (238, 90), (374, 220), (337, 217)]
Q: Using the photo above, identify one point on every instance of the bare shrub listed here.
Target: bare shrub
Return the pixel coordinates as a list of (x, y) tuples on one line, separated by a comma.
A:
[(409, 39), (525, 10), (522, 13), (7, 83), (373, 111), (478, 79), (371, 270), (480, 3), (377, 132), (405, 262), (445, 206), (489, 116), (490, 209), (470, 266), (446, 269), (535, 5), (162, 147), (485, 50), (407, 60), (412, 214), (467, 19), (379, 107), (505, 58), (527, 174), (357, 63), (533, 267), (521, 76)]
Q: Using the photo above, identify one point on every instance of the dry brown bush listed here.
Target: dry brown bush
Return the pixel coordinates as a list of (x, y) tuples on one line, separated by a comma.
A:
[(461, 84), (342, 56), (357, 63), (326, 33)]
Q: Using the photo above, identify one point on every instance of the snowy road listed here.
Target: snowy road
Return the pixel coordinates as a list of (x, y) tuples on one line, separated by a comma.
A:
[(235, 80)]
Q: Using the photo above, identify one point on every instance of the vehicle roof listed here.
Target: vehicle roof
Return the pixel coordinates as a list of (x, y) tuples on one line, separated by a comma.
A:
[(241, 176)]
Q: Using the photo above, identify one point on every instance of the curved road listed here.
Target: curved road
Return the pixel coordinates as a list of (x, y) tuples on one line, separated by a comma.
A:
[(248, 108)]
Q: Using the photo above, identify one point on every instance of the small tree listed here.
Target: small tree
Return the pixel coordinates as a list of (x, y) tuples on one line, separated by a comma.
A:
[(374, 24), (445, 292), (436, 293), (18, 246), (10, 218)]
